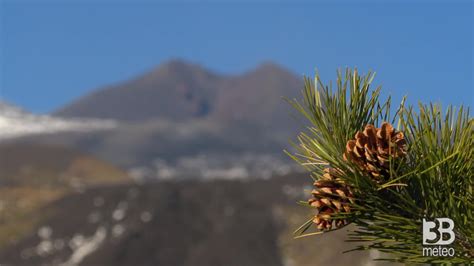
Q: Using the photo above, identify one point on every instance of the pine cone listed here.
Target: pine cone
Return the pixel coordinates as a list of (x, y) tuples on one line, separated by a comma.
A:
[(372, 148), (330, 196)]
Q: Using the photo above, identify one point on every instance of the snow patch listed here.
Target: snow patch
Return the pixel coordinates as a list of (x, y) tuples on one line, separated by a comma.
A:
[(45, 232), (15, 122), (119, 213), (85, 246), (118, 230), (146, 217)]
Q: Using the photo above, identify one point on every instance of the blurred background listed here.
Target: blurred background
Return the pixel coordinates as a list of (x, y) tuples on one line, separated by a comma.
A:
[(152, 132)]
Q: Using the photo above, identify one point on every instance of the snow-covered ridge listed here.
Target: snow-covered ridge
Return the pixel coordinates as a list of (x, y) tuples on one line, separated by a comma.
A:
[(15, 122)]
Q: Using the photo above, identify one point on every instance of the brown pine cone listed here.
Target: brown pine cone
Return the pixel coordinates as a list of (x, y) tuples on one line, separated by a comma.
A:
[(372, 148), (330, 196)]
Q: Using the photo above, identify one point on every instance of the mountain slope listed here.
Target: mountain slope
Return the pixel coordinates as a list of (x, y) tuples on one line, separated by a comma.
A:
[(39, 165), (182, 223), (256, 96), (33, 175)]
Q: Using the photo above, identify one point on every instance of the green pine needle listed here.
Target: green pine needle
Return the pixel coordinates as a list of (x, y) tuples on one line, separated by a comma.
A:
[(434, 180)]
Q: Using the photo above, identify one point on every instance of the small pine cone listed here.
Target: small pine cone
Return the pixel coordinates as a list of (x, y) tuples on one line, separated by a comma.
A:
[(372, 148), (330, 196)]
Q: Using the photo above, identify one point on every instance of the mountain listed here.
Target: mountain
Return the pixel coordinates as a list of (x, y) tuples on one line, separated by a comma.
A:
[(179, 113), (180, 91), (16, 122)]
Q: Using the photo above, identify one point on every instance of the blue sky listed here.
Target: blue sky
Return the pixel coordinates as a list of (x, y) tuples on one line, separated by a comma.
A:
[(52, 52)]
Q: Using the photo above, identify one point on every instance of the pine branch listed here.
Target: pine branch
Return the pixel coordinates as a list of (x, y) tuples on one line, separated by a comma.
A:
[(432, 178)]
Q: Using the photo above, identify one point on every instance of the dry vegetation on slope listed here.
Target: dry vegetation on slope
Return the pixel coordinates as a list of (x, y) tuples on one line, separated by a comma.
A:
[(33, 176)]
